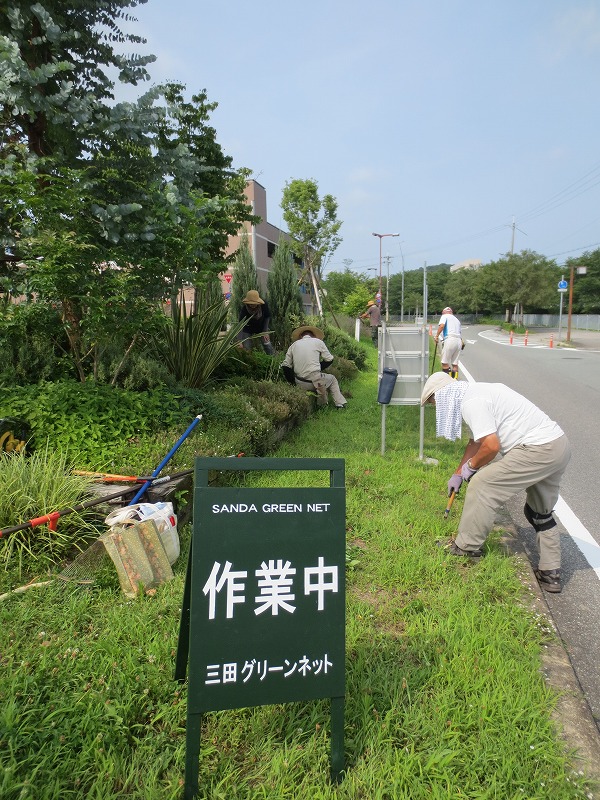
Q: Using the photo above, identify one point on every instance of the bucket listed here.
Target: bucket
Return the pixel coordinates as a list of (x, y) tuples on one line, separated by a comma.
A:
[(386, 385)]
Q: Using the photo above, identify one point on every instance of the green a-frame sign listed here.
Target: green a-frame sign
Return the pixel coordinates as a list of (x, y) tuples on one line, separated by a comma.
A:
[(263, 615)]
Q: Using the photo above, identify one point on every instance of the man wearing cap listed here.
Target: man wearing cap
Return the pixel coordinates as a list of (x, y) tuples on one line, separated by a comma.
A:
[(304, 361), (514, 447), (449, 325), (373, 314), (257, 314)]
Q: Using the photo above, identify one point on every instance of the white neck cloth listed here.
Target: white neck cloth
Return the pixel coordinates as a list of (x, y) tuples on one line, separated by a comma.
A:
[(448, 404)]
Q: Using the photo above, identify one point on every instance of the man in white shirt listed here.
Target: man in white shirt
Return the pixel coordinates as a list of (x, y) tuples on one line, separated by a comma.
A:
[(450, 327), (305, 361), (513, 447)]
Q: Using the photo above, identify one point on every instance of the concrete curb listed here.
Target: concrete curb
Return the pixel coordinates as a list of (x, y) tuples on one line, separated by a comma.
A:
[(572, 714)]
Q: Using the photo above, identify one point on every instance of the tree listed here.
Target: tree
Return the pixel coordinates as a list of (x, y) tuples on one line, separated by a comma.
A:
[(54, 83), (522, 279), (356, 301), (114, 206), (285, 300), (312, 223), (244, 278), (586, 288), (339, 285)]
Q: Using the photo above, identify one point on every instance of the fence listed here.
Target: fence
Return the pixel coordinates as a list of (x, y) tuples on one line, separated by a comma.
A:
[(581, 322)]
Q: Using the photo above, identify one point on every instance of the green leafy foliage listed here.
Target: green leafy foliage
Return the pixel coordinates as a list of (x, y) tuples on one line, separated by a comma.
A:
[(33, 344), (91, 424), (312, 222), (341, 343)]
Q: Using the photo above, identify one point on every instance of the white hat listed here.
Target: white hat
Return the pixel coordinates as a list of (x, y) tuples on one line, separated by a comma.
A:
[(447, 310), (433, 384)]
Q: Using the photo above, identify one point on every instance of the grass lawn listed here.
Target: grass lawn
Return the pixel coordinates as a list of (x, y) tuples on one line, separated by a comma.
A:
[(445, 697)]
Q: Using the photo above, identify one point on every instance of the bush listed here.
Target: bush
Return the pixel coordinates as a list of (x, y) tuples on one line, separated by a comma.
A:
[(342, 345), (33, 345), (89, 422)]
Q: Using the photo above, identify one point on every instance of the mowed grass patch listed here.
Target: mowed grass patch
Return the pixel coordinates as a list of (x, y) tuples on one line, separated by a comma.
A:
[(445, 696)]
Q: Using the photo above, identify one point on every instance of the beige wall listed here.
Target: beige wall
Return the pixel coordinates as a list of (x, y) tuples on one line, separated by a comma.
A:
[(259, 236)]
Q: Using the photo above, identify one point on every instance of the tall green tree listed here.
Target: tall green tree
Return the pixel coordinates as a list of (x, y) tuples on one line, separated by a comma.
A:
[(285, 299), (244, 278), (139, 195), (312, 222)]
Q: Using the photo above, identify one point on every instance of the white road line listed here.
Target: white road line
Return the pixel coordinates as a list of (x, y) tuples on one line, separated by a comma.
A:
[(580, 535), (572, 524)]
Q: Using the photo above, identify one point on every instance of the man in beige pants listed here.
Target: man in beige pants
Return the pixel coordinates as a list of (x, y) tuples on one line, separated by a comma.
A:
[(513, 447), (305, 361)]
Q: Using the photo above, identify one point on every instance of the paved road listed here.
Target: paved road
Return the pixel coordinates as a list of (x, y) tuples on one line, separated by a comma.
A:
[(564, 382)]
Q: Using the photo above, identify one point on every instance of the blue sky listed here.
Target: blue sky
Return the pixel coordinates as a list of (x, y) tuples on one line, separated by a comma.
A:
[(441, 120)]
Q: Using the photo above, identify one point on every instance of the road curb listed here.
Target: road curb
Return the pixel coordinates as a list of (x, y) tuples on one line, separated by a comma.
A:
[(572, 714)]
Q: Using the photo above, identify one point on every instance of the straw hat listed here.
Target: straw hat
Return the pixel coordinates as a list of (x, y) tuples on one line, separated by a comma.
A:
[(253, 298), (433, 384), (299, 332), (370, 303)]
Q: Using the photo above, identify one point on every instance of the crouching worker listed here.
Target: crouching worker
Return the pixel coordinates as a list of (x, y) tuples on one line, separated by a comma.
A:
[(305, 361), (534, 455)]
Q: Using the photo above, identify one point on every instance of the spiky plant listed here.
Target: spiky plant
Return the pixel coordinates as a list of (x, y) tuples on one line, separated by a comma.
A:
[(192, 347)]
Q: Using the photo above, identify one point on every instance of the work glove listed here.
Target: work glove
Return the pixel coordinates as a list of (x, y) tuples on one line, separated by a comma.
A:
[(467, 472), (454, 484)]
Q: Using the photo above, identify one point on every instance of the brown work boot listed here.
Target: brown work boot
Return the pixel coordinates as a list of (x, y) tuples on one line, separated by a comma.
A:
[(549, 579)]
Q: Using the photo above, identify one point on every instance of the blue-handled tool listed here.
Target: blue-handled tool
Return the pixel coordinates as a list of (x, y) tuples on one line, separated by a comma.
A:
[(166, 459)]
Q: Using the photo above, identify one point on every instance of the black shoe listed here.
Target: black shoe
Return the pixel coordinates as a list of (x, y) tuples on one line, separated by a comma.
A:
[(541, 522), (549, 579), (341, 408), (450, 546)]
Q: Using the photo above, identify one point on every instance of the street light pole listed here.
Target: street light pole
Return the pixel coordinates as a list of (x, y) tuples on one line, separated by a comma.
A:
[(382, 236), (402, 288)]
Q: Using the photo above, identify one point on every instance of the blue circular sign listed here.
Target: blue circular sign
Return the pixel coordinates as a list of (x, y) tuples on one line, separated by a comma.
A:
[(562, 284)]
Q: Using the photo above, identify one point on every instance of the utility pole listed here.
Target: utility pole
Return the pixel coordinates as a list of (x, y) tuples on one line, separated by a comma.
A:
[(382, 236), (512, 239)]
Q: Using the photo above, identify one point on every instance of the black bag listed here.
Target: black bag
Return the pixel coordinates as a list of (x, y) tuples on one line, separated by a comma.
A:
[(386, 385)]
